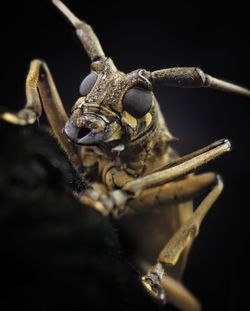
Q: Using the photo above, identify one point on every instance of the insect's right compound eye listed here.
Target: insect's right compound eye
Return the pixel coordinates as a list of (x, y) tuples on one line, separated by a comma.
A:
[(137, 101), (88, 83)]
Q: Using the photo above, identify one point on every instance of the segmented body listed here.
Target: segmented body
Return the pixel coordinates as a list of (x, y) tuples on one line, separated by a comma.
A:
[(151, 227)]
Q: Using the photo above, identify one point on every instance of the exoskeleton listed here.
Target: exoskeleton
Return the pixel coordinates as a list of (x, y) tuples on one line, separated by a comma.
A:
[(117, 139)]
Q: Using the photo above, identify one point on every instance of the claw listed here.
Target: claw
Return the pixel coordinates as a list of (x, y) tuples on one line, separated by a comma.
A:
[(154, 289), (151, 283)]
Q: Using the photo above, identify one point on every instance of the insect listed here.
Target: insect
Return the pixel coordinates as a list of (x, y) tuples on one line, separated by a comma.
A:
[(117, 138)]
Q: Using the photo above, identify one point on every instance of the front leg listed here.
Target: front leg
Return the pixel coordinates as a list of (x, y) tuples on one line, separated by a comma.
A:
[(98, 197), (102, 198), (130, 188), (120, 203), (41, 92), (179, 168)]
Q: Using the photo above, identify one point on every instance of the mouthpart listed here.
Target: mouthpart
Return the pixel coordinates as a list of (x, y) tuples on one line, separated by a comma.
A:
[(85, 130)]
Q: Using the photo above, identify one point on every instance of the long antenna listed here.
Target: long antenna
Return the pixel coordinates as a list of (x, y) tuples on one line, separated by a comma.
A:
[(84, 32)]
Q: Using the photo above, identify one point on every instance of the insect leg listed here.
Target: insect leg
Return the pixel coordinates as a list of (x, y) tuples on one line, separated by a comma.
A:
[(179, 168), (173, 192), (177, 294), (121, 203), (192, 77), (156, 278), (41, 91), (157, 187), (97, 197), (172, 250)]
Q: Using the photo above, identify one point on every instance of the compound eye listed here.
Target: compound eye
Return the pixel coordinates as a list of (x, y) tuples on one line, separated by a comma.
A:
[(88, 83), (137, 102)]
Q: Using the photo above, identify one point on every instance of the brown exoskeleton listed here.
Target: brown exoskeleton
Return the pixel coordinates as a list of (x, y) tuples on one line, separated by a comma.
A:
[(117, 138)]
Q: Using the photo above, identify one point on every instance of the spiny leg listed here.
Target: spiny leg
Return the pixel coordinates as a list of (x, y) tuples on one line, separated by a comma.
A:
[(41, 91), (192, 77), (84, 32), (156, 278)]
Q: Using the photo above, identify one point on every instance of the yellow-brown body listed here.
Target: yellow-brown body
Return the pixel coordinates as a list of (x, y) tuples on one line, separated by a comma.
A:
[(117, 139), (151, 226)]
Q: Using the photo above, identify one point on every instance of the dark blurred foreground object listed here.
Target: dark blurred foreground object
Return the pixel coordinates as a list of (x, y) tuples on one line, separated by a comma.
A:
[(56, 254)]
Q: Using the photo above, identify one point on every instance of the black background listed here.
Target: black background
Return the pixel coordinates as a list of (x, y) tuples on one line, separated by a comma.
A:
[(154, 36)]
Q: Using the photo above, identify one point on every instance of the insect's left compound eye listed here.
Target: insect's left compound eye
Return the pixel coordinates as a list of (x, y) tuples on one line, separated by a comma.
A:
[(88, 83), (137, 101)]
